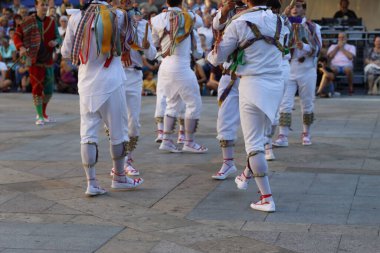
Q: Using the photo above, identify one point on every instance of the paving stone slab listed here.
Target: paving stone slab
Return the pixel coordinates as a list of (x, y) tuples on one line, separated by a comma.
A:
[(304, 242), (237, 244), (367, 244)]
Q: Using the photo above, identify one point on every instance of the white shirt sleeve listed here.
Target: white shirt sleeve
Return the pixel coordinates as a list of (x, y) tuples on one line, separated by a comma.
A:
[(68, 42), (228, 44)]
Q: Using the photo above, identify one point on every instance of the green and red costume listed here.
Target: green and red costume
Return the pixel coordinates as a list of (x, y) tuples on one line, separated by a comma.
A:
[(35, 34)]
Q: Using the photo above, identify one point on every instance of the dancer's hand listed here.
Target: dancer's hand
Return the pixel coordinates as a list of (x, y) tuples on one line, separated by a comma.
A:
[(23, 51), (299, 45), (52, 43), (227, 6)]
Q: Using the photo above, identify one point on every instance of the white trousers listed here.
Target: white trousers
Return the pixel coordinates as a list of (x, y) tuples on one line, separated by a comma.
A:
[(304, 79), (112, 112), (133, 90), (228, 115), (254, 123), (180, 88)]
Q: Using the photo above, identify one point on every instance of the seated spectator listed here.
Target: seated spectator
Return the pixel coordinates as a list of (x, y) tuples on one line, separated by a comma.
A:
[(149, 6), (8, 52), (22, 77), (206, 30), (68, 82), (213, 82), (5, 82), (53, 14), (200, 74), (23, 12), (344, 12), (17, 20), (65, 5), (63, 20), (372, 68), (149, 84), (16, 6), (326, 84), (342, 56), (11, 34), (4, 27), (153, 65)]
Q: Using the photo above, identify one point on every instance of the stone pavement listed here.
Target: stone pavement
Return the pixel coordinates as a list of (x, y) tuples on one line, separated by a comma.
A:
[(327, 195)]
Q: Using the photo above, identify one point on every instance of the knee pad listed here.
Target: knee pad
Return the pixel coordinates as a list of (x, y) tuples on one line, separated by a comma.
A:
[(119, 151), (132, 143), (159, 120), (255, 174), (181, 121), (226, 144), (86, 155), (308, 118), (285, 119), (173, 126)]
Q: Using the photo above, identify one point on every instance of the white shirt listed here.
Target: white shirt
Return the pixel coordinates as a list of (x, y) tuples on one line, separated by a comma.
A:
[(209, 35), (340, 59), (261, 57), (149, 53), (181, 55), (298, 53), (95, 82)]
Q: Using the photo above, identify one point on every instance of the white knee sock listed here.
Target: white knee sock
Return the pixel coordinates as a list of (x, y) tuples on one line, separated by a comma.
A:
[(259, 165), (168, 127), (284, 131), (190, 126), (88, 154), (228, 156), (306, 129), (117, 154)]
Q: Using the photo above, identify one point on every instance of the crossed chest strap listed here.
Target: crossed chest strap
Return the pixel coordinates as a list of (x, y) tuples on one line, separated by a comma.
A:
[(259, 36)]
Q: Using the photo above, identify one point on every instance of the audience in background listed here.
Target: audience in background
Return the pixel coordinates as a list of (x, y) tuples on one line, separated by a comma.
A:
[(372, 68), (344, 12), (342, 56)]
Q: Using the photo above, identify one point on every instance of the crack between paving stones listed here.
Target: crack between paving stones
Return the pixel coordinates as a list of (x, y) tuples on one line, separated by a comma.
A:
[(175, 187), (340, 239), (124, 228), (352, 202)]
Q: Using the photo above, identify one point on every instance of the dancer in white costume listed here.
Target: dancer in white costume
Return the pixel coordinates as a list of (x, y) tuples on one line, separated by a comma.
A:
[(174, 32), (305, 43), (254, 41), (101, 81), (275, 6), (228, 96), (143, 45)]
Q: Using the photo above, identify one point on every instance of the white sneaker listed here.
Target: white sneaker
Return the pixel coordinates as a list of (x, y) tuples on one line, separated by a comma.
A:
[(242, 181), (269, 155), (40, 122), (264, 205), (306, 139), (131, 171), (94, 190), (223, 175), (282, 141), (47, 119), (160, 136), (181, 138), (194, 148), (168, 145), (127, 183)]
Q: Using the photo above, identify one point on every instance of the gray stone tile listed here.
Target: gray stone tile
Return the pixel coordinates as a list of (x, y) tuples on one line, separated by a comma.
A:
[(275, 227), (307, 217), (42, 251), (269, 237), (359, 244), (26, 203), (192, 234), (327, 183), (366, 203), (78, 231), (354, 230), (226, 214), (171, 247), (12, 228), (304, 242), (364, 217), (237, 244)]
